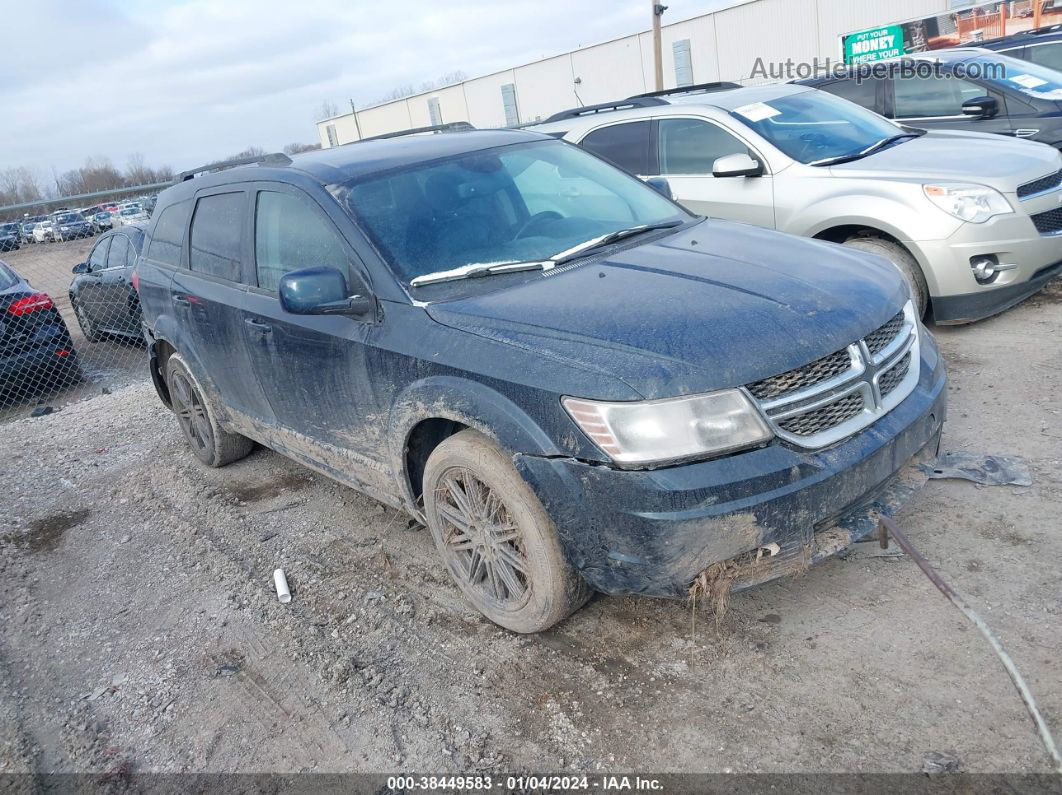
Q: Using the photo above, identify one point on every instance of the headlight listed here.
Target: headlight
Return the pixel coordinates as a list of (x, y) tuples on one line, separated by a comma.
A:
[(669, 430), (973, 203)]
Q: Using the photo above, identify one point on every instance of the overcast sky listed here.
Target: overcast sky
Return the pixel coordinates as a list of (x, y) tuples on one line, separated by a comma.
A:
[(187, 81)]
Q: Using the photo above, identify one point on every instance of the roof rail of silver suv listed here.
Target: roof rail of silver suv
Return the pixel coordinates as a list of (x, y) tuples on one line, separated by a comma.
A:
[(699, 88), (273, 159), (453, 126), (604, 107)]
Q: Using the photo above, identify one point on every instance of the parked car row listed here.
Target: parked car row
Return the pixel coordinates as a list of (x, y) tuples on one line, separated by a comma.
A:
[(66, 224)]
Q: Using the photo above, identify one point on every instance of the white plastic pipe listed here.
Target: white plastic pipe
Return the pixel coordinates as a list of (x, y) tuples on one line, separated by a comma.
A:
[(283, 594)]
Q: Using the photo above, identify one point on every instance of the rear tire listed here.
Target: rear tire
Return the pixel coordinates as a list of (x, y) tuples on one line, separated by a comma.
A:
[(88, 328), (495, 537), (198, 417), (902, 259)]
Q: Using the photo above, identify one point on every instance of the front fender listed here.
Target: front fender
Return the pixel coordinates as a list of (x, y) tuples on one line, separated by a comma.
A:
[(471, 403)]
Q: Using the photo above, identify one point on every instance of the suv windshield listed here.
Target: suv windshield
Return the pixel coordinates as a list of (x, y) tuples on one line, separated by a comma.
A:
[(1027, 77), (813, 126), (517, 203), (69, 218)]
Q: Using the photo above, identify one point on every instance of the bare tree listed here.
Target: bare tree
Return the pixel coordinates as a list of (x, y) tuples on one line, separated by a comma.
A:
[(250, 151), (327, 110), (294, 149), (18, 185)]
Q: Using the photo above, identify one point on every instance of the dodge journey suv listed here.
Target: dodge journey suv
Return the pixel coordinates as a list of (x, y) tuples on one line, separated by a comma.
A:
[(972, 220), (574, 382)]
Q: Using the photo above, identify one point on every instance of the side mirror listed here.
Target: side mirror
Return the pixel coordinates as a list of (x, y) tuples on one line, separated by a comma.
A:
[(320, 291), (739, 165), (981, 107), (661, 186), (81, 267)]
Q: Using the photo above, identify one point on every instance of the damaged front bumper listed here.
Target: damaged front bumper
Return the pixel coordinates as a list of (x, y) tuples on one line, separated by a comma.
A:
[(652, 532)]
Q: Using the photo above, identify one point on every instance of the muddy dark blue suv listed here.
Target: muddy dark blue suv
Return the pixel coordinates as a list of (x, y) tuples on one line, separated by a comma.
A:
[(576, 384)]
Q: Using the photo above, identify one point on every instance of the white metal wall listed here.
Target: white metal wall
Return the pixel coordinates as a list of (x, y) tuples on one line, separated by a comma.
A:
[(723, 45)]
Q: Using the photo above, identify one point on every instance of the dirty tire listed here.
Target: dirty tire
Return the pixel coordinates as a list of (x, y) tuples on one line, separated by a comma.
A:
[(902, 259), (198, 418), (496, 538), (88, 328)]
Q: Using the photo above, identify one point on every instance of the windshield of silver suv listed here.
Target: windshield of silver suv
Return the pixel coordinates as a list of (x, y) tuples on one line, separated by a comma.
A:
[(1029, 78), (816, 128), (512, 204)]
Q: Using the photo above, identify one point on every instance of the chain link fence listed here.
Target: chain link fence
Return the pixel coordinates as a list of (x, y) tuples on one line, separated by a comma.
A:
[(69, 312)]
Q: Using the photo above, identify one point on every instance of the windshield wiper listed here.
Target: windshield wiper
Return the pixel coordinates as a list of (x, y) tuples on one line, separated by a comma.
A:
[(874, 147), (478, 269)]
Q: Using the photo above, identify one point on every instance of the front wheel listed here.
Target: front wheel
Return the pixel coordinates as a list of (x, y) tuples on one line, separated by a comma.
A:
[(495, 537), (904, 262)]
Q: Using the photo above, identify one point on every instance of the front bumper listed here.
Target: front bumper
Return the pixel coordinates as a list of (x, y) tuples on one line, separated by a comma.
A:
[(955, 295), (653, 532)]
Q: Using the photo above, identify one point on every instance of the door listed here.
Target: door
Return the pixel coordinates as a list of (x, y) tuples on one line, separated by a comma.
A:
[(118, 306), (313, 369), (934, 102), (89, 293), (686, 150), (209, 295)]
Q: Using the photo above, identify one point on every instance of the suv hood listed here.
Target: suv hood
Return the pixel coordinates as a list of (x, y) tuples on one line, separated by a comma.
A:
[(716, 305), (982, 158)]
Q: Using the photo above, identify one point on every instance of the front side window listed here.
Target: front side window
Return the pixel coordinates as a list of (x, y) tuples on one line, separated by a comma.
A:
[(97, 260), (119, 251), (167, 237), (217, 236), (507, 204), (933, 95), (289, 235), (624, 145), (814, 126), (691, 146)]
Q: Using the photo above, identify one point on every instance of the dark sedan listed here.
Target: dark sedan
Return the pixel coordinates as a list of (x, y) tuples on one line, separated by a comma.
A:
[(35, 345), (102, 293), (10, 237)]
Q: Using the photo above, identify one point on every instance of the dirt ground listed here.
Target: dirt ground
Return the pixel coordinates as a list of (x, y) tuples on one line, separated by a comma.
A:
[(140, 630)]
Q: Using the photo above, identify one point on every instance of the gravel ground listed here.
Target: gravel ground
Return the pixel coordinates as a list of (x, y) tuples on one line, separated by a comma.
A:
[(141, 632)]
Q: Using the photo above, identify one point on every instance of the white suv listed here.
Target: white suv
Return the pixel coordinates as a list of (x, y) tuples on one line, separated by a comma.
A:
[(974, 221)]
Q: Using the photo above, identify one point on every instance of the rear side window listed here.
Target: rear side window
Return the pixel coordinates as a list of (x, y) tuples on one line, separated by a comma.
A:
[(862, 92), (168, 236), (690, 146), (623, 145), (289, 234), (7, 277), (217, 236), (119, 252)]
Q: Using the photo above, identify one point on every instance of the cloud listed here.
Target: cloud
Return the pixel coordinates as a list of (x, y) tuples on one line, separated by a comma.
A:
[(187, 82)]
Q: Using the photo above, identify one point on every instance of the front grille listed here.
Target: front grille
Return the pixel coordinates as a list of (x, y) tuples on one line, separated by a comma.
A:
[(1050, 182), (1048, 223), (890, 380), (879, 340), (831, 398), (801, 378), (825, 417)]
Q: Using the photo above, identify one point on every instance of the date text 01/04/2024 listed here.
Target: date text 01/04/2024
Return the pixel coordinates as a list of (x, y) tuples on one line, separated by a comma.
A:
[(524, 782)]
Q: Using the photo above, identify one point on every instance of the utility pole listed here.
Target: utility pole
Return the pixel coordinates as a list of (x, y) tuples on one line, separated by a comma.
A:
[(658, 57)]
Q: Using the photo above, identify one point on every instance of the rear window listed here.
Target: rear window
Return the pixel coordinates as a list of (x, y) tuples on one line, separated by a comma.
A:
[(68, 218), (167, 237), (217, 236)]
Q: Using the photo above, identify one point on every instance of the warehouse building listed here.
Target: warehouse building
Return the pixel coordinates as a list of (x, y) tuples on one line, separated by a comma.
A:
[(724, 45)]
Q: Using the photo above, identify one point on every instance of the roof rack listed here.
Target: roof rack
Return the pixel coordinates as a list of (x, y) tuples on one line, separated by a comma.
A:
[(700, 88), (454, 126), (604, 107), (274, 159)]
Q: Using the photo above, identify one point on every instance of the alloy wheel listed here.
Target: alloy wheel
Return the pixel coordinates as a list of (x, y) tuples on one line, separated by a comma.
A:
[(191, 413), (483, 544)]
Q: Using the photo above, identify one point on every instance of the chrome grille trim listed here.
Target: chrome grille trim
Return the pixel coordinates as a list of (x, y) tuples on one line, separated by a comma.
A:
[(1040, 187), (864, 377)]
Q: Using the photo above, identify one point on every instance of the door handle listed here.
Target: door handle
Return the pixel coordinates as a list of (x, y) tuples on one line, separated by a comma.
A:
[(261, 328), (181, 300)]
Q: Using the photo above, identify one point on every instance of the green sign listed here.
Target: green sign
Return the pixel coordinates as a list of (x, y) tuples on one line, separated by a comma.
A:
[(874, 45)]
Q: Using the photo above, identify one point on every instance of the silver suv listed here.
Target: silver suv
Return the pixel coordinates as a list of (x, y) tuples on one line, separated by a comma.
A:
[(973, 221)]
